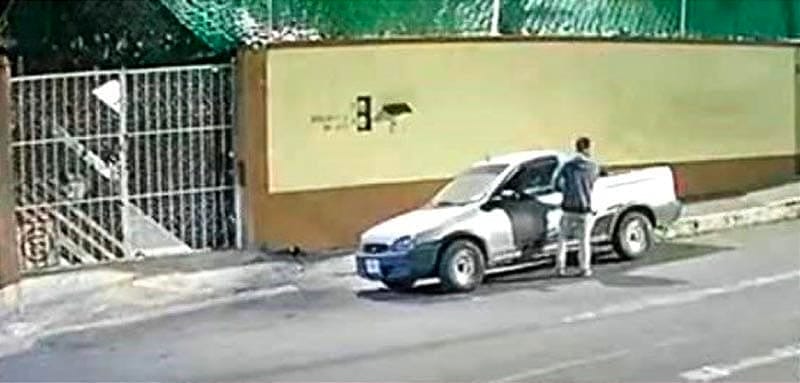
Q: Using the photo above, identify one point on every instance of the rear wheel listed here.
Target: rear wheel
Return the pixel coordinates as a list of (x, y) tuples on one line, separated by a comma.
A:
[(633, 236), (461, 267), (401, 285)]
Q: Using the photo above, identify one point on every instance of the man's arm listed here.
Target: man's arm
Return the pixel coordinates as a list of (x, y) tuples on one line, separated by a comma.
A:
[(559, 181), (599, 170)]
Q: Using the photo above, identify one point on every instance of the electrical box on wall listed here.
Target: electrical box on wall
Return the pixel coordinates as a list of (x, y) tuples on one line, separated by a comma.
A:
[(364, 113)]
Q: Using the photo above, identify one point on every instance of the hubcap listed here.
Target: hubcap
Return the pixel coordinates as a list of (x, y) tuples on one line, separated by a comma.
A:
[(463, 267), (636, 236)]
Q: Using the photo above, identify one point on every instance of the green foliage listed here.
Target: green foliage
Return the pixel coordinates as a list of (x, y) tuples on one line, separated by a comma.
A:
[(63, 35)]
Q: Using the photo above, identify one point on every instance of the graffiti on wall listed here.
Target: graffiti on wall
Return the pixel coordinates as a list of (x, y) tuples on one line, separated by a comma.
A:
[(35, 238), (331, 122), (360, 117)]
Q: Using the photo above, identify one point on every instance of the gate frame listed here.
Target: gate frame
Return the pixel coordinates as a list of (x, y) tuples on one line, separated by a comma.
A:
[(123, 139)]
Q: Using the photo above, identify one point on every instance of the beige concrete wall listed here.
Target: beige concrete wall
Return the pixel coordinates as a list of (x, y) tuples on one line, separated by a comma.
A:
[(725, 116), (642, 103)]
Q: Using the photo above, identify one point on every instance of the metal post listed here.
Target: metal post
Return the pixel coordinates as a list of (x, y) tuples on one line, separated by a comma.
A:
[(20, 66), (9, 263), (239, 189), (495, 27), (683, 18), (124, 193), (269, 24)]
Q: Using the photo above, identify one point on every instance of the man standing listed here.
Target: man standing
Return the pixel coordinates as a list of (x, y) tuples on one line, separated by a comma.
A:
[(576, 182)]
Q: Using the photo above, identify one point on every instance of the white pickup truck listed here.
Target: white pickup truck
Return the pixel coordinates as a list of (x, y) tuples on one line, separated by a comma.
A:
[(504, 211)]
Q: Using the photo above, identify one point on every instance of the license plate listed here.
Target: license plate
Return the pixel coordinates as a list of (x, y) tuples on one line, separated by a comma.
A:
[(373, 267)]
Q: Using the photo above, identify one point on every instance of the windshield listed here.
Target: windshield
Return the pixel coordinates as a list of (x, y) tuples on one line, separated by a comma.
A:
[(468, 187)]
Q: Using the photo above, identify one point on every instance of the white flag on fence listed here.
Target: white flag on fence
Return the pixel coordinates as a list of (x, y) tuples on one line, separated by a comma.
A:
[(110, 94)]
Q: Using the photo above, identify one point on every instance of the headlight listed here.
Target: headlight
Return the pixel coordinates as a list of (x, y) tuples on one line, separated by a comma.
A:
[(405, 243)]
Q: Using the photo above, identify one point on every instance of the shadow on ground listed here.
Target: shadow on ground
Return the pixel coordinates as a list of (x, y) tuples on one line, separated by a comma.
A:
[(609, 270)]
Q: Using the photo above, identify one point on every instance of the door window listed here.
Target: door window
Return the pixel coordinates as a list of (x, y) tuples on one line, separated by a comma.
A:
[(538, 176)]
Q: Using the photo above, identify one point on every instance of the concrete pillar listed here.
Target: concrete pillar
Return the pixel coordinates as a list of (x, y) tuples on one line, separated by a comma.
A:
[(251, 142), (797, 111), (9, 263)]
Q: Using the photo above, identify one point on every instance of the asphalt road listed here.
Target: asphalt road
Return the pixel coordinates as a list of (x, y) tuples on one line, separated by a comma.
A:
[(718, 308)]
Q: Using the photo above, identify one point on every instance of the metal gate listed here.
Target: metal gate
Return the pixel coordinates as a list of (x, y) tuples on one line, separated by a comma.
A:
[(113, 165)]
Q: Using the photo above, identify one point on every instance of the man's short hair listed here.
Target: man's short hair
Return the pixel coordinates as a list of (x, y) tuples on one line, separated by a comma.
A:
[(582, 144)]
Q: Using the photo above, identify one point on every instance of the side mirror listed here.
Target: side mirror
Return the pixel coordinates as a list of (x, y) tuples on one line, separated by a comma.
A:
[(492, 203), (497, 199)]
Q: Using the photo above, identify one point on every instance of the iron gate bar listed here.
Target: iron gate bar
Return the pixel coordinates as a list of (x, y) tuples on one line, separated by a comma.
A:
[(115, 135), (123, 161), (48, 76)]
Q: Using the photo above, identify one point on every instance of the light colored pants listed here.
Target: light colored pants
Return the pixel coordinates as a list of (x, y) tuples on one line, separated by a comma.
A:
[(578, 226)]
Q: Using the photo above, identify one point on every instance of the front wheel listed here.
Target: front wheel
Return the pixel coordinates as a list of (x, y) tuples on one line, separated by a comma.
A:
[(461, 267), (633, 236)]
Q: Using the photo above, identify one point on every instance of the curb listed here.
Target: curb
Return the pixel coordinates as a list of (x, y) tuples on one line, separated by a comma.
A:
[(172, 310), (782, 210), (225, 280), (18, 343), (113, 278)]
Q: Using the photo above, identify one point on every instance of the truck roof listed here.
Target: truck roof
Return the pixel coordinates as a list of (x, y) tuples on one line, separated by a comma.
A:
[(517, 158)]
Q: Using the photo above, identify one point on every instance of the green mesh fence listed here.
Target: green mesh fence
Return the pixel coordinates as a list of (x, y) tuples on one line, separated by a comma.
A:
[(59, 35), (754, 19), (223, 24), (650, 18)]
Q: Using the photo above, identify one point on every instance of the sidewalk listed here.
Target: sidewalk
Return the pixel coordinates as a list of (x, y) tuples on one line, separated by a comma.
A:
[(755, 199), (763, 206), (126, 293)]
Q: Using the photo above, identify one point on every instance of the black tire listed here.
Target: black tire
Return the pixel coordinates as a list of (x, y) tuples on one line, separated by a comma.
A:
[(400, 286), (461, 266), (633, 236)]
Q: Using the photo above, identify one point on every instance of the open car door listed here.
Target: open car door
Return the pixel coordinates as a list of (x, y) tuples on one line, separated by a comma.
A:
[(518, 199)]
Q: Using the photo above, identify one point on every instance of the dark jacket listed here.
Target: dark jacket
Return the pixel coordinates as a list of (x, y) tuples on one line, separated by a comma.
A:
[(576, 181)]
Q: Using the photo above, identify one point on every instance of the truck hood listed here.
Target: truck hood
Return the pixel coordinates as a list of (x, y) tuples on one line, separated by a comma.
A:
[(413, 223)]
